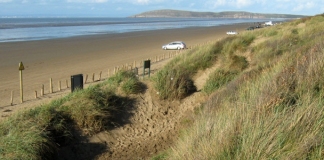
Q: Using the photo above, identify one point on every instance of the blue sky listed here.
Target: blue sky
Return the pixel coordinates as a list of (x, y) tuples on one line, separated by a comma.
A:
[(124, 8)]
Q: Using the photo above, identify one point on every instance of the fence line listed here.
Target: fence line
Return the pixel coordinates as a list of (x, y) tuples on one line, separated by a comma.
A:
[(127, 66)]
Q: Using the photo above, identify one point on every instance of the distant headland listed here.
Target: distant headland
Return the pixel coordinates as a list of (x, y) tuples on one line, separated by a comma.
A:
[(168, 13)]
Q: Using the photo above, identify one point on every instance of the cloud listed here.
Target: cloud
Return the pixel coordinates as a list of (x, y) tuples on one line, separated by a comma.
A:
[(177, 1), (146, 2), (100, 1), (234, 3), (87, 1), (217, 3), (5, 1), (301, 7), (243, 3), (143, 1)]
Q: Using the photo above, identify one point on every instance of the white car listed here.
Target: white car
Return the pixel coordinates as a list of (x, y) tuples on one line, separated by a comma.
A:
[(231, 33), (175, 45)]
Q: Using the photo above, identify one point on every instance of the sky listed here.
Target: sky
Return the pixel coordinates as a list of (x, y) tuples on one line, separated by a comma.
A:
[(125, 8)]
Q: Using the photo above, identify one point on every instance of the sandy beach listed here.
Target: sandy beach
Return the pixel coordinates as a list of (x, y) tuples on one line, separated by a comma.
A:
[(60, 58)]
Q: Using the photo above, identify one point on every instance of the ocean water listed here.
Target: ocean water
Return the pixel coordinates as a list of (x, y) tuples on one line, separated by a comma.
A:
[(27, 29)]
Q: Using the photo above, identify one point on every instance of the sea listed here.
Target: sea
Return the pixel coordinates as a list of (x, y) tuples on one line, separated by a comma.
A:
[(29, 29)]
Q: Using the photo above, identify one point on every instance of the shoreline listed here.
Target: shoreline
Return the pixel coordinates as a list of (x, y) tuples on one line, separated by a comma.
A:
[(60, 58)]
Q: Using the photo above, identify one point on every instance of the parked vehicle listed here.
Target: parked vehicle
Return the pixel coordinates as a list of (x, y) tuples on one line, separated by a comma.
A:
[(231, 32), (268, 23), (250, 28), (175, 45)]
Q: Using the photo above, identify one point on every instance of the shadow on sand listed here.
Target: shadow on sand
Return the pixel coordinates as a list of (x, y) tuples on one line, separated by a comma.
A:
[(81, 149)]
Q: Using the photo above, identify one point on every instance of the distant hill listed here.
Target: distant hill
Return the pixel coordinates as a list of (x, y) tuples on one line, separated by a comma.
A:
[(227, 14)]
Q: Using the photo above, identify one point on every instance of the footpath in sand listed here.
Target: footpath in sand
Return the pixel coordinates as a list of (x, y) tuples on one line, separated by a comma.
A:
[(153, 127)]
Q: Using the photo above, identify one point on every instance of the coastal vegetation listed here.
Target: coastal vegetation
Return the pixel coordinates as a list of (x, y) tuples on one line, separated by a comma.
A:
[(38, 133), (270, 109), (265, 101)]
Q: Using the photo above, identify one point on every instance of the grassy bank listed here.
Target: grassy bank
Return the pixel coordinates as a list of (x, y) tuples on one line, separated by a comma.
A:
[(40, 132), (271, 108)]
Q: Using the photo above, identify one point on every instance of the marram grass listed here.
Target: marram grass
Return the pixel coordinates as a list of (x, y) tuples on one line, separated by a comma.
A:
[(273, 109)]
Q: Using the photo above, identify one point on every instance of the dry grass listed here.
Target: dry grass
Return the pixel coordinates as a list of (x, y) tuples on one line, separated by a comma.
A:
[(272, 111)]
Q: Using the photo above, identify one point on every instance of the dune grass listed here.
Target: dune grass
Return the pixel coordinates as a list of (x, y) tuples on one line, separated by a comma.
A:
[(267, 107), (174, 81), (273, 109), (39, 133)]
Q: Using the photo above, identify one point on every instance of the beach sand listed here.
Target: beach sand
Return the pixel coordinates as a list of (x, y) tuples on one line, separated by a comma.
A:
[(60, 58)]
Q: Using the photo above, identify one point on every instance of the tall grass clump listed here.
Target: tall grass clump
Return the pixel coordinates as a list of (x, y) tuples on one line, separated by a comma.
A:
[(34, 134), (90, 109), (174, 83), (237, 44), (276, 112), (127, 82)]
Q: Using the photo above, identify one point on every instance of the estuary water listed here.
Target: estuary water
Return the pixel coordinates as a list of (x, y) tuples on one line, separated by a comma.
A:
[(27, 29)]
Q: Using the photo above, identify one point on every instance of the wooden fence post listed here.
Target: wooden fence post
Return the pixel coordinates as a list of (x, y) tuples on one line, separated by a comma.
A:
[(42, 90), (100, 75), (51, 86), (86, 78), (59, 85), (11, 100)]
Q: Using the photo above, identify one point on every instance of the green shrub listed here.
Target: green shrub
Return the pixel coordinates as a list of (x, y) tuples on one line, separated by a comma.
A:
[(32, 134), (173, 84), (127, 81)]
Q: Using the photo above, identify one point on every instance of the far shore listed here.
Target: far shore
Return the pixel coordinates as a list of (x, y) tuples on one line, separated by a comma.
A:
[(60, 58)]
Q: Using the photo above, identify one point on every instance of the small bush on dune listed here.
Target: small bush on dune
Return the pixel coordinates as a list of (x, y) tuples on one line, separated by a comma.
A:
[(132, 86), (127, 81), (173, 84), (32, 134), (90, 109), (239, 43)]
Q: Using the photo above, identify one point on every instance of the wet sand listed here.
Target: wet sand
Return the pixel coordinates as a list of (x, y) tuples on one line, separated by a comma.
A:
[(60, 58)]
